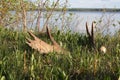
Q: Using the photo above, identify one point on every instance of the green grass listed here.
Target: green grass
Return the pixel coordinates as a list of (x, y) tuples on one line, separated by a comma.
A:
[(18, 61)]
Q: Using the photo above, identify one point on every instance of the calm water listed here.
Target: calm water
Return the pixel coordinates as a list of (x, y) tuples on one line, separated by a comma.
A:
[(107, 22)]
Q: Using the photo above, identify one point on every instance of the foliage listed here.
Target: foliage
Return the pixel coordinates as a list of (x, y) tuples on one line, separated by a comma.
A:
[(18, 61), (13, 12), (22, 14)]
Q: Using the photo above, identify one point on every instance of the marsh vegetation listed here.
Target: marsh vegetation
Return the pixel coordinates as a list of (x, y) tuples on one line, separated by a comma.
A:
[(81, 61)]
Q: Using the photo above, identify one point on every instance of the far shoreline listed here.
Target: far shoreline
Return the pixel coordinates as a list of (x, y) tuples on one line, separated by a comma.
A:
[(95, 9), (79, 9), (76, 9)]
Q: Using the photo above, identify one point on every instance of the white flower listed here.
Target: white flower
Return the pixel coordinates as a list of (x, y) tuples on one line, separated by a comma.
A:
[(103, 49), (119, 78)]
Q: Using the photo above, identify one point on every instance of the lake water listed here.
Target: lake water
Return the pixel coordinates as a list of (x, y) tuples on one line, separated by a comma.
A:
[(107, 22)]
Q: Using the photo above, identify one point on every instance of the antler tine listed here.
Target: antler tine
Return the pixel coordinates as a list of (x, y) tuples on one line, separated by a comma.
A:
[(31, 34), (92, 31), (88, 33), (28, 43), (50, 36), (29, 40), (92, 34)]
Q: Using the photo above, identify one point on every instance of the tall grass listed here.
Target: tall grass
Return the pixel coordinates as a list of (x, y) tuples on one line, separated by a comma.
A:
[(18, 61)]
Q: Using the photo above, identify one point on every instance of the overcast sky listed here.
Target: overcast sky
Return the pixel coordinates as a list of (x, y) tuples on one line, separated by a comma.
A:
[(93, 3)]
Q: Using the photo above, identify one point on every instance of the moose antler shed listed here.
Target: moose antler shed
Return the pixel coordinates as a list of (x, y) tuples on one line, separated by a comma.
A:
[(45, 48), (42, 46), (92, 40)]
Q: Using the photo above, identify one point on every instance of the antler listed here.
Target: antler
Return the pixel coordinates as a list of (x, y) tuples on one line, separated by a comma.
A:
[(42, 46), (90, 35), (39, 44), (91, 39), (51, 38), (55, 44)]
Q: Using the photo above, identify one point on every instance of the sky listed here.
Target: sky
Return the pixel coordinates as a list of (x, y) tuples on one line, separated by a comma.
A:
[(92, 3), (95, 3)]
